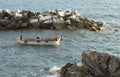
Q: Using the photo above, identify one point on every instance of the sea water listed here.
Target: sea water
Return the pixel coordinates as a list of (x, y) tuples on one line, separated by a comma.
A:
[(46, 61)]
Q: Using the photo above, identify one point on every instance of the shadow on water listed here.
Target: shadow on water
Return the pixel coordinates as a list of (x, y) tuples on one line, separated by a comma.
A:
[(40, 46)]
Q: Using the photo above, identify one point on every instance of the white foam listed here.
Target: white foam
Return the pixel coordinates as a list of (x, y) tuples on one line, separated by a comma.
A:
[(54, 69), (54, 75), (79, 64), (41, 70)]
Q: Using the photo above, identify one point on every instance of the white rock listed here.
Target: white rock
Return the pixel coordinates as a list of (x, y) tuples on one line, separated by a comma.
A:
[(68, 21), (33, 20), (48, 21), (18, 15), (61, 13), (60, 20), (72, 17), (8, 11), (55, 17), (43, 18), (39, 16), (102, 29), (68, 12)]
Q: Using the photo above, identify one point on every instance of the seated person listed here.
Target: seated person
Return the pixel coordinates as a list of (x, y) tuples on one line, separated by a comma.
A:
[(21, 37), (37, 37)]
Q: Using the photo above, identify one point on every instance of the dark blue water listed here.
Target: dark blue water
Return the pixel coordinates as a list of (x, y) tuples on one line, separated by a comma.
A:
[(39, 61)]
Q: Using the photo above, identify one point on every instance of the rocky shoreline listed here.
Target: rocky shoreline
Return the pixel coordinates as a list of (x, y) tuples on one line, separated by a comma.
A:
[(94, 64), (54, 19)]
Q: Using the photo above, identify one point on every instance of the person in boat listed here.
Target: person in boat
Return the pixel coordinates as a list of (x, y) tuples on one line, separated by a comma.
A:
[(21, 37), (38, 39)]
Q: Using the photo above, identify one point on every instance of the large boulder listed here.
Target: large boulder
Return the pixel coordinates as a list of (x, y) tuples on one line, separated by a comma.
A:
[(35, 25), (4, 22), (2, 28), (14, 25), (58, 25), (99, 23), (46, 24), (6, 13), (24, 24), (94, 64), (97, 27), (87, 25), (80, 25)]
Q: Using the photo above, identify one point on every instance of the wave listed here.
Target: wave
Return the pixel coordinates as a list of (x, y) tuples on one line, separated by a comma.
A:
[(54, 75), (51, 72), (54, 69)]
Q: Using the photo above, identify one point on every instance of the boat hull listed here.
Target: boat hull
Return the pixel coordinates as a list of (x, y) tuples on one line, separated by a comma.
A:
[(41, 42)]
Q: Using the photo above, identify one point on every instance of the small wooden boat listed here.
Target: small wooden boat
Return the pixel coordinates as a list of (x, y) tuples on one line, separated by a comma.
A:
[(40, 41)]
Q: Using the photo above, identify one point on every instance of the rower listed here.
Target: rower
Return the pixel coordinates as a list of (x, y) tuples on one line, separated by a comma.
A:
[(37, 39), (21, 37)]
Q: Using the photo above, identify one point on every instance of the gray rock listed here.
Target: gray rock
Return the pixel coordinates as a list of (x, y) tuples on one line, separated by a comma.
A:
[(80, 25), (99, 23), (59, 20), (2, 28), (58, 25), (68, 13), (77, 19), (60, 13), (35, 25), (4, 22), (44, 18), (14, 25), (71, 27), (113, 65), (68, 22), (24, 24), (95, 27), (87, 25), (94, 64), (6, 13), (48, 21)]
